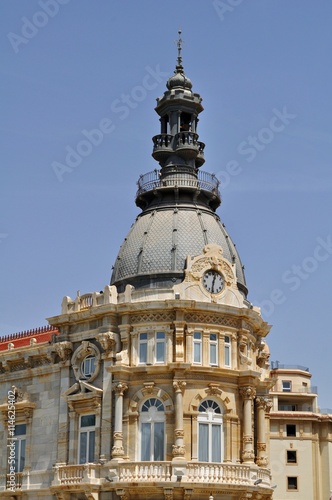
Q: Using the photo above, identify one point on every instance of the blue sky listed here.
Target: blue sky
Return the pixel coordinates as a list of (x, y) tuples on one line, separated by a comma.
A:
[(264, 71)]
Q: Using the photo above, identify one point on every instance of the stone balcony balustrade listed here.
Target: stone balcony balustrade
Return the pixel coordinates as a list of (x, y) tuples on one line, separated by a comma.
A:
[(162, 472)]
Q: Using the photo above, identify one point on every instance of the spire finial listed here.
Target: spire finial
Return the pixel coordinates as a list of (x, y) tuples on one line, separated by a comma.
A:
[(179, 44)]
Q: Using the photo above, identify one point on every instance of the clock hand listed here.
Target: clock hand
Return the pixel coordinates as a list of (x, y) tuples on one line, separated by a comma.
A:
[(214, 279)]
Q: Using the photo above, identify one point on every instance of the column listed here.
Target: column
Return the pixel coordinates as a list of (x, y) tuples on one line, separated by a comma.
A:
[(263, 405), (247, 393), (117, 450), (178, 447)]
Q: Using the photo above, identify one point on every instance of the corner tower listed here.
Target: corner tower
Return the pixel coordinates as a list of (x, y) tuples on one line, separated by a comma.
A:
[(167, 368), (178, 199)]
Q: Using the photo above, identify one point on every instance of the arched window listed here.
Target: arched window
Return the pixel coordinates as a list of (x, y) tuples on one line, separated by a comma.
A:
[(210, 432), (152, 427)]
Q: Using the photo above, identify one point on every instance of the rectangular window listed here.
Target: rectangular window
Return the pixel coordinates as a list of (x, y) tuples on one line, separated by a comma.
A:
[(216, 440), (203, 443), (143, 348), (291, 430), (286, 386), (160, 347), (87, 439), (227, 343), (20, 443), (292, 483), (282, 407), (291, 457), (213, 349), (197, 347), (146, 442)]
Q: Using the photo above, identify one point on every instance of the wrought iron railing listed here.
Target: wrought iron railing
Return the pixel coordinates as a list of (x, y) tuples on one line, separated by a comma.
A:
[(153, 180)]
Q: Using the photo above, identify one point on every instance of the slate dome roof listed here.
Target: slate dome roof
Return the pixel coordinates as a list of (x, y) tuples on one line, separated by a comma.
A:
[(155, 250)]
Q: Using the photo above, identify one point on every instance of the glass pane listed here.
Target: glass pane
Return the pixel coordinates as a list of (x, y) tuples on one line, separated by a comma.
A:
[(227, 357), (20, 430), (158, 450), (146, 442), (216, 443), (91, 446), (22, 455), (213, 336), (160, 335), (197, 352), (88, 420), (83, 447), (143, 336), (213, 354), (203, 443), (197, 335), (143, 350), (160, 352)]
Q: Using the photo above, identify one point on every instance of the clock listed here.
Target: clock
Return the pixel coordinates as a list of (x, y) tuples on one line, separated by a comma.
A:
[(213, 281)]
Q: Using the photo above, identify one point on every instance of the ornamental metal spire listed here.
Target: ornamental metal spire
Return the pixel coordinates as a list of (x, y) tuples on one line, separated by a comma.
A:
[(179, 67)]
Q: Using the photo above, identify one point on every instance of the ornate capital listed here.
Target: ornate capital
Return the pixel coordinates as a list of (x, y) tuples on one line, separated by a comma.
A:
[(120, 388), (264, 403), (262, 461), (178, 450), (179, 386), (64, 350), (247, 392), (117, 451), (248, 455)]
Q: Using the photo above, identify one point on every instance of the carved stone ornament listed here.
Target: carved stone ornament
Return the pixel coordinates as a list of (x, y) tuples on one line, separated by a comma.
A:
[(84, 350), (247, 392), (120, 388), (211, 259), (117, 451), (178, 450), (262, 461), (168, 493), (261, 446), (107, 341), (248, 455), (247, 439), (122, 494), (64, 350), (179, 433), (265, 403), (179, 386)]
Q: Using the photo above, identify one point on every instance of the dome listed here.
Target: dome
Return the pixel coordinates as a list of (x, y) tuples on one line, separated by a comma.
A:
[(155, 250), (179, 80)]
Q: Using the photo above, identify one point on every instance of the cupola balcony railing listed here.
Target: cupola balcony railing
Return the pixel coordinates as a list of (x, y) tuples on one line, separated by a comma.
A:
[(179, 178), (184, 140)]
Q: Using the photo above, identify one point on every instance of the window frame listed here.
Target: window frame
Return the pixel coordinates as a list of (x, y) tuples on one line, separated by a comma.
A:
[(143, 342), (158, 342), (228, 350), (213, 343), (20, 441), (288, 433), (296, 481), (288, 461), (208, 420), (197, 341), (149, 419), (90, 430), (90, 359), (284, 385)]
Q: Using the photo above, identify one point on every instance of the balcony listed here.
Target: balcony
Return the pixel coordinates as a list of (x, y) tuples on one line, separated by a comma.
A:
[(179, 178), (146, 473), (162, 146)]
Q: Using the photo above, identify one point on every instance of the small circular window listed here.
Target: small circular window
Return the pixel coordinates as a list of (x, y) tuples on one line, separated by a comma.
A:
[(88, 366)]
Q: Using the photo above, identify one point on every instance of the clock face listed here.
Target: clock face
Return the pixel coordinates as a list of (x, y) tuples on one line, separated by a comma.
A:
[(213, 281)]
